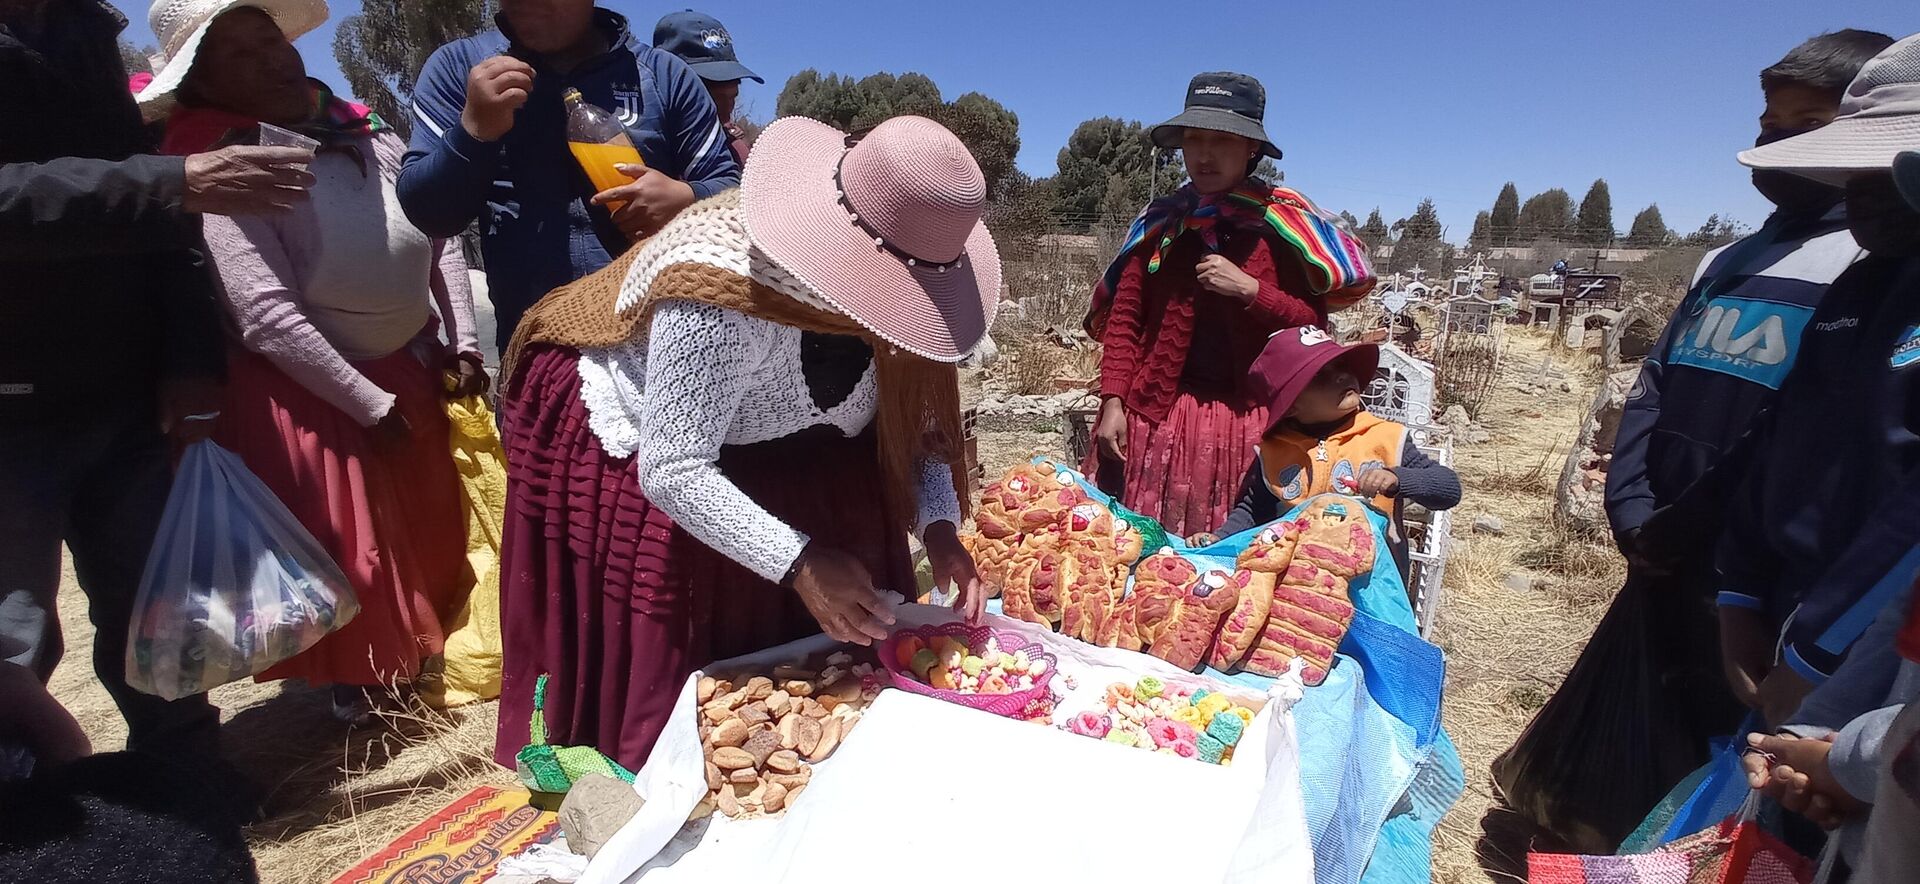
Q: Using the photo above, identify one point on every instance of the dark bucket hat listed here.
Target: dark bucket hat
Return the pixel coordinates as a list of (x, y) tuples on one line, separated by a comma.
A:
[(1224, 102), (1291, 359), (703, 43)]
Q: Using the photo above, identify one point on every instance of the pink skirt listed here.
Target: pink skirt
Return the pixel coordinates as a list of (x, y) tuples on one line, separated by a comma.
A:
[(1185, 471), (604, 594), (392, 520)]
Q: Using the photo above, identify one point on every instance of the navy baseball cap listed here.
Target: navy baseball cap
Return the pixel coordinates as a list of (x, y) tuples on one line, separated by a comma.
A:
[(703, 43)]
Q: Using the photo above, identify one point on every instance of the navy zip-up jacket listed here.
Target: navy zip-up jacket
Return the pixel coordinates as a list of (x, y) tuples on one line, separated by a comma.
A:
[(1824, 520), (526, 190), (1720, 360)]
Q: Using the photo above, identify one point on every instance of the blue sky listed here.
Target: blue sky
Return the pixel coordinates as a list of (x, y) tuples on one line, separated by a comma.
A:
[(1375, 104)]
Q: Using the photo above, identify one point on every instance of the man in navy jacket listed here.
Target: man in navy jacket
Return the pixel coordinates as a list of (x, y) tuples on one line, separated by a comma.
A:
[(489, 144)]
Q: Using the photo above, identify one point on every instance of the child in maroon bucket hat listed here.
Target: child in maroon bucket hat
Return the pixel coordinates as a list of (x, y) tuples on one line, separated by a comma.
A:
[(1323, 440)]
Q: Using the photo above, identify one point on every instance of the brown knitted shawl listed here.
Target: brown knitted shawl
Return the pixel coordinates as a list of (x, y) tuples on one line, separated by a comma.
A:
[(918, 415)]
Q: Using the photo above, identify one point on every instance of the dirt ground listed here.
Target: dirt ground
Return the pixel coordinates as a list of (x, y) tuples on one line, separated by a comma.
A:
[(337, 795)]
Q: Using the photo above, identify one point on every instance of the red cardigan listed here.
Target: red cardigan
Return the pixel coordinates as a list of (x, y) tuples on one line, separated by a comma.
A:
[(1156, 317)]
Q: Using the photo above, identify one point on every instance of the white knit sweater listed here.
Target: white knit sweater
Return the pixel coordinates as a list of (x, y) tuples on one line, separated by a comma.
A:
[(708, 376)]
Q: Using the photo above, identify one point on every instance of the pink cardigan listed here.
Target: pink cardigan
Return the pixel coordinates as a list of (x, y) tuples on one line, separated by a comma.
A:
[(267, 262)]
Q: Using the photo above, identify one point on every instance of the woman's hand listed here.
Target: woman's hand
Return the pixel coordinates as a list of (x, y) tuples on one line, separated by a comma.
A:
[(839, 593), (1204, 538), (1110, 430), (1219, 276), (953, 566), (392, 432), (467, 377)]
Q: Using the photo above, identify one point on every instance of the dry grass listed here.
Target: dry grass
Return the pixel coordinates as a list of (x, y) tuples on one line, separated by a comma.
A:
[(334, 795), (1509, 643)]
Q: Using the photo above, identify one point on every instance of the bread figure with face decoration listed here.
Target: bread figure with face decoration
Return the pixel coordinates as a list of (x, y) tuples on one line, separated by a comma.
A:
[(1263, 561), (1337, 536), (1187, 638)]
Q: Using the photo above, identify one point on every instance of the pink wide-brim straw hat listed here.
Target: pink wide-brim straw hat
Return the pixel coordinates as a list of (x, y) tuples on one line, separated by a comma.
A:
[(886, 228)]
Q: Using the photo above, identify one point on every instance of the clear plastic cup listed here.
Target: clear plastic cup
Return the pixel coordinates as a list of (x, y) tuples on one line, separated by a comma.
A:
[(274, 136)]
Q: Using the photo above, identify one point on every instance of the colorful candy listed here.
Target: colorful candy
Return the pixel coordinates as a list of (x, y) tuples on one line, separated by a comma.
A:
[(1090, 724), (1226, 728), (1210, 750), (1167, 719)]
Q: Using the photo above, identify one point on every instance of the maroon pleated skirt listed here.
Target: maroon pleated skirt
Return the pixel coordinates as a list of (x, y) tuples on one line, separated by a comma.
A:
[(1185, 471), (601, 592), (391, 517)]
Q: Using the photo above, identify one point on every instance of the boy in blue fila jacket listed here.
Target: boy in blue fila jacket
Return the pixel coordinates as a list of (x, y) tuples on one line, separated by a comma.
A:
[(489, 144), (1825, 521)]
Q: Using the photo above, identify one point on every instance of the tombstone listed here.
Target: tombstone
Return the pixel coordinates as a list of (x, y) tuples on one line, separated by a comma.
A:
[(1402, 388), (1469, 315)]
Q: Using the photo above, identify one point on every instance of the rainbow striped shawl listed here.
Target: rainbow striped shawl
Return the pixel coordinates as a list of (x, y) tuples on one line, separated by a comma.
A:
[(1335, 260)]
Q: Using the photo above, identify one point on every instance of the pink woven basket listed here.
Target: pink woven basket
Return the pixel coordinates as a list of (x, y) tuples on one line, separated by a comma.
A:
[(1006, 705)]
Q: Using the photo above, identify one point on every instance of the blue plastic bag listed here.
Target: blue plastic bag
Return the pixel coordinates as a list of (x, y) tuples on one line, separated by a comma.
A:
[(233, 584)]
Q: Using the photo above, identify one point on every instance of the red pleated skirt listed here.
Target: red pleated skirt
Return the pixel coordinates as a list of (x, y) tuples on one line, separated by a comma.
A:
[(601, 592), (391, 519), (1185, 471)]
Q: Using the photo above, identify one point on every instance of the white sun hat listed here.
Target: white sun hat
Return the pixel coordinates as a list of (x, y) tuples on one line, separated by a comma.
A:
[(180, 25), (1879, 118)]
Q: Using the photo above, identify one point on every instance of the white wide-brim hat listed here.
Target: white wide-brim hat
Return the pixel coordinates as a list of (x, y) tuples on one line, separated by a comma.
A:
[(180, 25), (887, 228), (1879, 118)]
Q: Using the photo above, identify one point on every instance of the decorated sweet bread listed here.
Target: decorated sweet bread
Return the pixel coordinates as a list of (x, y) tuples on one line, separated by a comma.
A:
[(1244, 624), (1310, 615), (1035, 585), (1188, 637), (1337, 537), (1272, 549), (1160, 584), (1004, 503), (1128, 543), (1091, 595), (993, 559)]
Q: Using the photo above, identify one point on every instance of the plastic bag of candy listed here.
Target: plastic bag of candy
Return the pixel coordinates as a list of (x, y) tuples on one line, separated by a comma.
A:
[(232, 585)]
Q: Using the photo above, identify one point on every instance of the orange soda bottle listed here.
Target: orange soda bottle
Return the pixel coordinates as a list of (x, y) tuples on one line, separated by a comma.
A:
[(598, 142)]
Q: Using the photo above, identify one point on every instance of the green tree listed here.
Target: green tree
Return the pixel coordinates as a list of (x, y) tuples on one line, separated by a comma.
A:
[(1715, 232), (1424, 226), (1106, 165), (1418, 243), (984, 125), (382, 48), (1546, 215), (1375, 233), (1347, 219), (1503, 223), (1649, 229), (1019, 213), (1482, 235), (988, 129), (1595, 223), (136, 58)]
